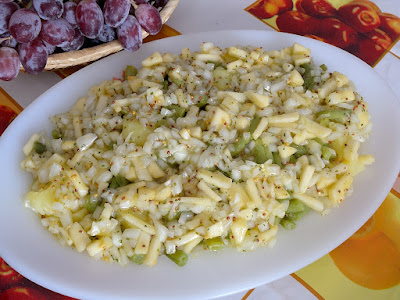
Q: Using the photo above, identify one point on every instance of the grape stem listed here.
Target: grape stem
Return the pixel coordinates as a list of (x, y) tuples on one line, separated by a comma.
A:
[(5, 39), (135, 6)]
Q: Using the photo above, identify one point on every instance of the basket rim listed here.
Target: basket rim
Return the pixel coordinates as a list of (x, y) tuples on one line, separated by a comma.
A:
[(82, 56)]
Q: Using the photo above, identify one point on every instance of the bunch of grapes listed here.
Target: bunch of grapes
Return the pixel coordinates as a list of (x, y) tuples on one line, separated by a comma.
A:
[(32, 30)]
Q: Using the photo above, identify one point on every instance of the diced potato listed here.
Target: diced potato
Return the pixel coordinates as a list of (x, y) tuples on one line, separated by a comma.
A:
[(328, 87), (295, 79), (350, 150), (301, 136), (42, 201), (216, 179), (284, 118), (77, 181), (260, 128), (305, 178), (139, 223), (233, 65), (79, 236), (240, 97), (301, 59), (252, 191), (215, 230), (155, 170), (152, 60), (29, 145), (208, 191), (163, 193), (236, 52), (222, 78), (239, 229), (315, 128), (230, 105), (259, 100), (310, 201), (135, 83), (181, 97), (338, 191), (153, 252), (208, 57), (341, 79), (242, 123), (339, 97), (220, 119), (143, 243), (286, 151), (325, 181), (299, 49)]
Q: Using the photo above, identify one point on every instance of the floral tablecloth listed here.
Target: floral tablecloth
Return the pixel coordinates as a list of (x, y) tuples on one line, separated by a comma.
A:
[(367, 265)]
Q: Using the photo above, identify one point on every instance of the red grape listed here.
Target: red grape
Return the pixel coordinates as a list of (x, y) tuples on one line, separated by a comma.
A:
[(10, 42), (149, 18), (6, 10), (24, 25), (33, 56), (160, 3), (76, 43), (48, 9), (50, 48), (9, 63), (56, 32), (107, 34), (140, 1), (116, 11), (89, 18), (69, 13), (130, 34)]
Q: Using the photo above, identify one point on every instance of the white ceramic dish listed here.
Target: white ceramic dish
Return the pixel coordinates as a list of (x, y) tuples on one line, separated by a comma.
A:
[(33, 252)]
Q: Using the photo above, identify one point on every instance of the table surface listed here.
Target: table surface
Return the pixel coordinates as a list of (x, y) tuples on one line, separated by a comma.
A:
[(343, 273)]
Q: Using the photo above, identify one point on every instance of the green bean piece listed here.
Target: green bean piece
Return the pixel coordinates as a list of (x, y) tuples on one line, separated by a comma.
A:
[(297, 215), (91, 203), (254, 123), (138, 258), (214, 244), (277, 159), (179, 111), (336, 115), (323, 67), (39, 148), (301, 150), (118, 181), (130, 71), (259, 152), (179, 257), (318, 140), (203, 101), (327, 153), (175, 216), (162, 122), (287, 224), (324, 122), (295, 206), (56, 134), (307, 77), (268, 153), (240, 145)]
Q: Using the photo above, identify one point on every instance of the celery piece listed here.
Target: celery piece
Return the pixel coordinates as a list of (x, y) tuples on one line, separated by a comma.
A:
[(179, 257), (259, 152), (39, 148), (323, 67), (175, 216), (239, 146), (91, 203), (138, 258), (162, 122), (179, 111), (301, 150), (326, 153), (268, 153), (336, 115), (118, 181), (277, 159), (254, 123), (214, 244), (203, 101), (130, 71), (308, 78)]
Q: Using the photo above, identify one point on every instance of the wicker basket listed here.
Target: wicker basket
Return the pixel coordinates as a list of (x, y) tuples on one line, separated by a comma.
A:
[(73, 58)]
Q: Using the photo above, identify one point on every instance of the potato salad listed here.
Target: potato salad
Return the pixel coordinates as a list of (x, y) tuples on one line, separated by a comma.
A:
[(198, 150)]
